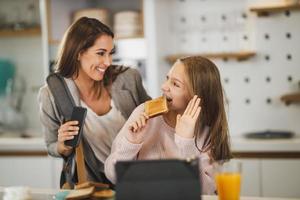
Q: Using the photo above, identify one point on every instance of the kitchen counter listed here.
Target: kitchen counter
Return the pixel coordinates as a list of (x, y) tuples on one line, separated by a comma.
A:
[(22, 144), (17, 146), (239, 145), (43, 194)]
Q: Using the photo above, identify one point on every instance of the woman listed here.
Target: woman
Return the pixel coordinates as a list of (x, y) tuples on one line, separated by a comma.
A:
[(110, 93), (195, 124)]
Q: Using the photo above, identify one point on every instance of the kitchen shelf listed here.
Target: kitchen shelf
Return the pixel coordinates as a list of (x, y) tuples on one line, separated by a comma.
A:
[(129, 37), (291, 98), (56, 42), (22, 32), (265, 9), (242, 55)]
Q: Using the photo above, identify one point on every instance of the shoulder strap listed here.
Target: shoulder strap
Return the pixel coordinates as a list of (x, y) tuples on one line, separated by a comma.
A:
[(65, 103), (62, 96)]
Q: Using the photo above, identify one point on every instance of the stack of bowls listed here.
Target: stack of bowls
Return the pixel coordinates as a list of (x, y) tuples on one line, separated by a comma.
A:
[(127, 24)]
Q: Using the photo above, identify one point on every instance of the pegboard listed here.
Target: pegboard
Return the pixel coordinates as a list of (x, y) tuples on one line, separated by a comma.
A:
[(252, 87)]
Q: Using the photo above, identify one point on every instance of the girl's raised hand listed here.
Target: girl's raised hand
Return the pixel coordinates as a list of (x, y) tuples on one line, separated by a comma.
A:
[(136, 133), (185, 124)]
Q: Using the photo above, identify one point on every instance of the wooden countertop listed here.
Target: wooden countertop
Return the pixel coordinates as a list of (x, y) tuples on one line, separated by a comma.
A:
[(240, 146), (39, 194)]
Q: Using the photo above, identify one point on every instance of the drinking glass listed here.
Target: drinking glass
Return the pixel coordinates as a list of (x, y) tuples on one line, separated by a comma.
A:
[(228, 180)]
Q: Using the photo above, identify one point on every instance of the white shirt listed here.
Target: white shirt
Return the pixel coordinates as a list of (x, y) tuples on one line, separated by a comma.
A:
[(100, 131)]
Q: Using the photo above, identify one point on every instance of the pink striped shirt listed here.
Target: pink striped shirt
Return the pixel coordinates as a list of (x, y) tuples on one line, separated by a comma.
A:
[(160, 142)]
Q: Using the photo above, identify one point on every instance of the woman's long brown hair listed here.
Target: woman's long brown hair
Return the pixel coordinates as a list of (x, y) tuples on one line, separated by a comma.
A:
[(204, 81), (78, 38)]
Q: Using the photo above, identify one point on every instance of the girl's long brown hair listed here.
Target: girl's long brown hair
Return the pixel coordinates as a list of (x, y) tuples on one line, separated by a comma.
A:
[(204, 81), (78, 38)]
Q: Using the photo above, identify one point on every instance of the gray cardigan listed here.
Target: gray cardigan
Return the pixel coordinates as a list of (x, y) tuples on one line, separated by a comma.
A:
[(127, 93)]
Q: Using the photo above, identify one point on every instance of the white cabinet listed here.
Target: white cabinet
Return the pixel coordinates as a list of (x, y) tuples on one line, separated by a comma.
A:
[(251, 177), (270, 177), (280, 177), (32, 171)]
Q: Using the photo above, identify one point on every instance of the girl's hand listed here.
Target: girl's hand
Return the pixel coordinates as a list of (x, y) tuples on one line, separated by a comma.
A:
[(136, 133), (66, 132), (185, 124)]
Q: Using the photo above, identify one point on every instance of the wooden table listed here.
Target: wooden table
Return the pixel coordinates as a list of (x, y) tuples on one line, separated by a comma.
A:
[(47, 194)]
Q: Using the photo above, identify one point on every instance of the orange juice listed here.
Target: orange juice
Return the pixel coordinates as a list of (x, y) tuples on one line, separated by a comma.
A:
[(228, 185)]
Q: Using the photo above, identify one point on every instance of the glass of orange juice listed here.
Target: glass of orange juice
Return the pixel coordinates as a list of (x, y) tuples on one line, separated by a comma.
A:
[(228, 180)]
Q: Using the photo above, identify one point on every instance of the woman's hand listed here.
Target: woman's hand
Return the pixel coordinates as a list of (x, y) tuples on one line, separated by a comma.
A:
[(136, 133), (185, 124), (67, 131)]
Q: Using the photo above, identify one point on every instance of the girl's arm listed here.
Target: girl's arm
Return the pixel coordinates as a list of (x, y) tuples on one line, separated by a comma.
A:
[(207, 173), (185, 128), (124, 146), (185, 141)]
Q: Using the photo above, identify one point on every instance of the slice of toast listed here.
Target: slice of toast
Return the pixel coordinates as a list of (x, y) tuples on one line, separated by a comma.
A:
[(80, 193), (90, 183), (156, 106), (103, 194)]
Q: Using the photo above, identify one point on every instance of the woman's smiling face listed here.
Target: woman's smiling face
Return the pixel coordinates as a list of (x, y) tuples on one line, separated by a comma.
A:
[(96, 59), (175, 88)]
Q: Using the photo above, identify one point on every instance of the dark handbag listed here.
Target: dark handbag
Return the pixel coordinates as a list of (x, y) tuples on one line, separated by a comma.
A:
[(65, 103)]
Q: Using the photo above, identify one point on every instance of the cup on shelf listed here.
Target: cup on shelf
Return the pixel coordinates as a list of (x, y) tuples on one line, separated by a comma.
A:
[(228, 180)]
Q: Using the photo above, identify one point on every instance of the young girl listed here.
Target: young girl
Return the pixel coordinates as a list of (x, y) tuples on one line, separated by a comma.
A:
[(195, 124)]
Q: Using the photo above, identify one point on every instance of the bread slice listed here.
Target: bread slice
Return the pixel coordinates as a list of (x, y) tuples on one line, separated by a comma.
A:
[(156, 106), (90, 183), (80, 193), (103, 194)]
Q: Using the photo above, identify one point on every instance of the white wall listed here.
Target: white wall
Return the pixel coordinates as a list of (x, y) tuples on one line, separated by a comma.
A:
[(179, 29)]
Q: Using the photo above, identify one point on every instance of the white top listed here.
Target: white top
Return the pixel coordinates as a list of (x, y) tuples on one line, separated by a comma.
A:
[(100, 131)]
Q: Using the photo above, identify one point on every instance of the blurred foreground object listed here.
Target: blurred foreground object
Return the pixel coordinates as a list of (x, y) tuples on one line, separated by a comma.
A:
[(17, 193)]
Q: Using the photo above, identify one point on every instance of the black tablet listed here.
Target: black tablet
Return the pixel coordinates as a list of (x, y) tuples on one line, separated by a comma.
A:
[(158, 179)]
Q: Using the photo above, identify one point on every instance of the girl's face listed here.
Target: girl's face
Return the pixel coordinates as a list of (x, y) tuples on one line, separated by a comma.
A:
[(96, 59), (175, 88)]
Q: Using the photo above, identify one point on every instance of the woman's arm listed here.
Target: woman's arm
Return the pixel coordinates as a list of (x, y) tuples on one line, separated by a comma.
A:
[(49, 119), (55, 134)]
